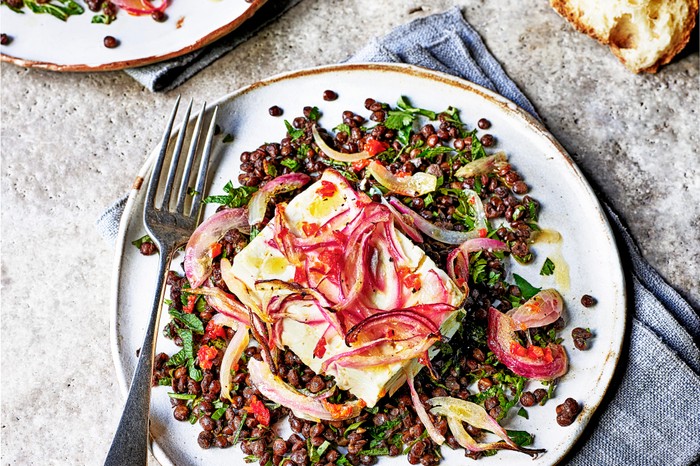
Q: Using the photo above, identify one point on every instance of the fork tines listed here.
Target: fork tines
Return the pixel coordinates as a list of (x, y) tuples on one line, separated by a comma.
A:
[(179, 194)]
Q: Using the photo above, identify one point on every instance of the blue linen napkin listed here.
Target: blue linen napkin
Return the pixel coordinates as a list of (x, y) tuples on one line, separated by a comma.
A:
[(649, 415), (167, 75)]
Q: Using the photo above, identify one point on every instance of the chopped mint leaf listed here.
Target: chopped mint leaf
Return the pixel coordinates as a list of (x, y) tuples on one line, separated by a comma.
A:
[(191, 321), (527, 290), (523, 413), (520, 437), (547, 267)]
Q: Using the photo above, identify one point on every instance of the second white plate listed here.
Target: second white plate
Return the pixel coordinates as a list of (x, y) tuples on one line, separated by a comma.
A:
[(43, 41)]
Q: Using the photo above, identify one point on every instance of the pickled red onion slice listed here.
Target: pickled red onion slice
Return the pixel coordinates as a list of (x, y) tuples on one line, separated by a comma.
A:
[(198, 252), (417, 184), (542, 309), (302, 406), (336, 155), (533, 362), (282, 184)]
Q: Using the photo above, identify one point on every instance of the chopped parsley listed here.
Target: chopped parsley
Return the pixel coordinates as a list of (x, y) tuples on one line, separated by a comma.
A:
[(315, 114), (234, 197), (342, 128), (293, 133), (103, 19), (402, 119), (290, 163)]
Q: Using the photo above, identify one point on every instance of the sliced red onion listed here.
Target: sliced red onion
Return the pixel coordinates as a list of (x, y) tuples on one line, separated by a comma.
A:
[(336, 155), (236, 286), (458, 258), (542, 309), (233, 353), (458, 411), (140, 7), (405, 223), (302, 406), (435, 435), (198, 259), (223, 320), (393, 325), (367, 356), (284, 238), (282, 184), (483, 166), (223, 302), (294, 288), (532, 362), (438, 233), (410, 185)]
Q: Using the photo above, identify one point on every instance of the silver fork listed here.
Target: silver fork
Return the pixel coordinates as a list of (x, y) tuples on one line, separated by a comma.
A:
[(169, 228)]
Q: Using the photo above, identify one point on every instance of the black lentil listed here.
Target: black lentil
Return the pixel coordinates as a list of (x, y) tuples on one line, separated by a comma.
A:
[(110, 42), (588, 300)]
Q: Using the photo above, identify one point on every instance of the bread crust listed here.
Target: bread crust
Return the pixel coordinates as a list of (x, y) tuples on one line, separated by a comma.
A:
[(573, 16)]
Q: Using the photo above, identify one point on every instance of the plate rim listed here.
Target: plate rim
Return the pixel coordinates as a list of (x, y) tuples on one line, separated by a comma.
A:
[(255, 5), (609, 369)]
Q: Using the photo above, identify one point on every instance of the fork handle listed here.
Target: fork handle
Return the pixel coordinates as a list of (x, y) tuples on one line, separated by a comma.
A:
[(131, 440)]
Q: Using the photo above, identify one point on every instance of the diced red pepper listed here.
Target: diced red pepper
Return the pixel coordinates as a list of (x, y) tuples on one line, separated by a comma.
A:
[(310, 229), (327, 189), (533, 352), (214, 331), (300, 275), (215, 250), (409, 280), (483, 232), (359, 164), (258, 409), (189, 307), (320, 348), (518, 349), (206, 355), (374, 147)]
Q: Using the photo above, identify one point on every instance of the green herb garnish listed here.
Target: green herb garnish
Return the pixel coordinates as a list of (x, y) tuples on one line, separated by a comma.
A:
[(292, 164), (293, 133), (527, 290), (62, 12), (234, 197), (547, 267), (141, 240), (191, 321)]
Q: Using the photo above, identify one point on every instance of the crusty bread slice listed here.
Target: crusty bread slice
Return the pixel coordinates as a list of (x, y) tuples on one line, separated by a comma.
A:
[(643, 34)]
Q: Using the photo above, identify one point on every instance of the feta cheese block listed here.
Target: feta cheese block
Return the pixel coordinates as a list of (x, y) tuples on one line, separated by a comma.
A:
[(330, 259)]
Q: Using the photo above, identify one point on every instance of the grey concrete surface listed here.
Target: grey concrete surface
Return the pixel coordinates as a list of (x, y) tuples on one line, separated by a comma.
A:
[(71, 143)]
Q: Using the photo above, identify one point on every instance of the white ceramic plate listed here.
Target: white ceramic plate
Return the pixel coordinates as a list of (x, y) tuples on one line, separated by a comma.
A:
[(568, 205), (43, 41)]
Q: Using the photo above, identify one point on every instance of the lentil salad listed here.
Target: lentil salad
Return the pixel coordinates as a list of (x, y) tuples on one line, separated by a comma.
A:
[(465, 367)]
